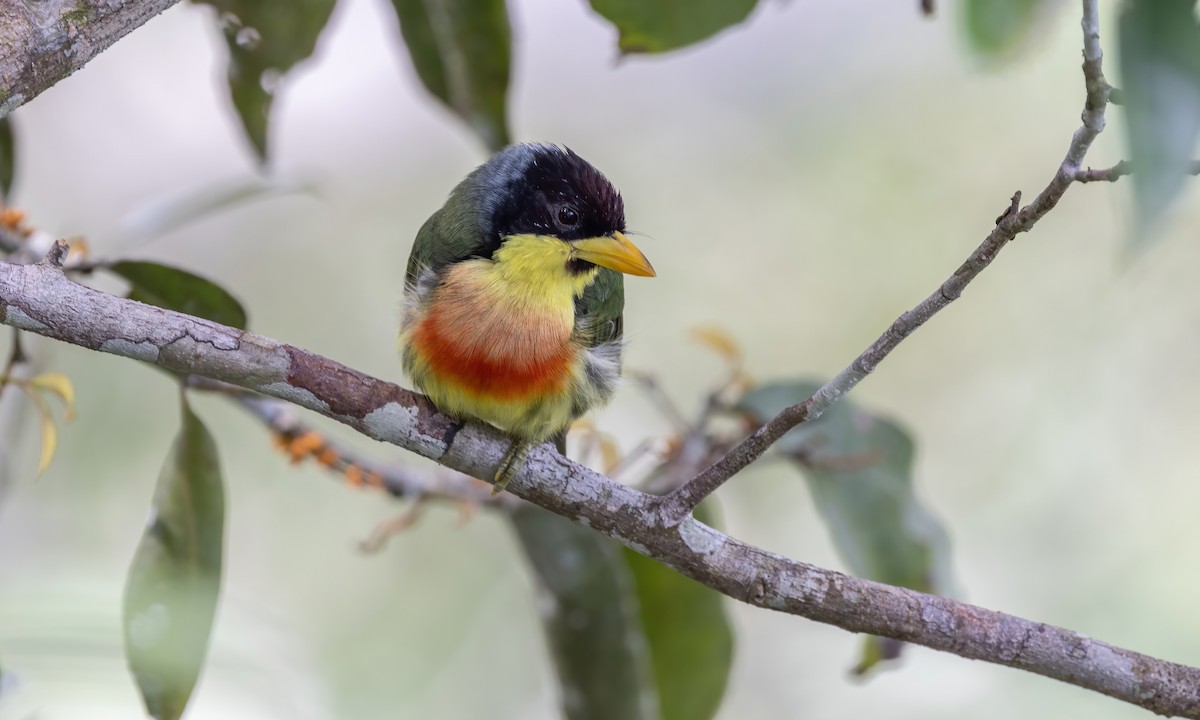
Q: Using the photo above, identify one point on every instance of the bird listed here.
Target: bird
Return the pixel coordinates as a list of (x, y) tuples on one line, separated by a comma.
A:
[(514, 297)]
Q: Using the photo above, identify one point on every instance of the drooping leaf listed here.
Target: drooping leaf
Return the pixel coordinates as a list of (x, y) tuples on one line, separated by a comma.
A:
[(691, 644), (171, 593), (630, 637), (858, 467), (651, 26), (265, 38), (59, 385), (49, 434), (179, 290), (995, 28), (720, 341), (590, 616), (461, 50), (8, 156), (1160, 80), (875, 650)]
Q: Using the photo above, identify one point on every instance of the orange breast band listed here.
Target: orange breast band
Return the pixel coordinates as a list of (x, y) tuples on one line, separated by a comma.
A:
[(501, 369)]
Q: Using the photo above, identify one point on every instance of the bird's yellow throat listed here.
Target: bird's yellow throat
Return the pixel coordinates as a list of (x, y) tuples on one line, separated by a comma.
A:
[(534, 268)]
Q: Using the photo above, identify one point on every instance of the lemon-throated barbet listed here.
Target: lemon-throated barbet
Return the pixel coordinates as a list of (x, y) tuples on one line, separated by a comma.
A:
[(514, 295)]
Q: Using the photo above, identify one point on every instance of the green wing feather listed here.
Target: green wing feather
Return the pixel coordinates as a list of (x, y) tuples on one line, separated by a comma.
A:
[(438, 245), (598, 311), (449, 235)]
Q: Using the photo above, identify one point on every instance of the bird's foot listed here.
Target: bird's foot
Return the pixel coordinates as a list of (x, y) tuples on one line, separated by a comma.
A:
[(513, 461)]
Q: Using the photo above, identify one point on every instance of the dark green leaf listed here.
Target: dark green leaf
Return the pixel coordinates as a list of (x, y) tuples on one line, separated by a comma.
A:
[(858, 467), (461, 51), (995, 28), (179, 290), (265, 38), (1160, 80), (631, 638), (590, 617), (8, 156), (175, 578), (650, 26), (691, 644)]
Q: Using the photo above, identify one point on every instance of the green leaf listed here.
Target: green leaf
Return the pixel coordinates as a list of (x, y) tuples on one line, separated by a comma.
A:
[(590, 617), (691, 643), (171, 593), (8, 156), (858, 467), (179, 290), (652, 26), (461, 51), (265, 38), (630, 637), (995, 28), (1160, 80)]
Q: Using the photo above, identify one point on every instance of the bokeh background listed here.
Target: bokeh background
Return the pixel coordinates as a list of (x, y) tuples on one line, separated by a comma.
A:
[(802, 179)]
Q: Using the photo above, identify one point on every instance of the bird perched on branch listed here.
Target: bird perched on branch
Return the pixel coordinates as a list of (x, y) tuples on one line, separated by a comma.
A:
[(514, 295)]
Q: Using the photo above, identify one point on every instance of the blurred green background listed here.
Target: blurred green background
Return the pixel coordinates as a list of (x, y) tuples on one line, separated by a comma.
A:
[(802, 179)]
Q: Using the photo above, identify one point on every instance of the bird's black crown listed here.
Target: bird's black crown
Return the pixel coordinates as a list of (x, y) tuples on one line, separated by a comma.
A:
[(548, 190)]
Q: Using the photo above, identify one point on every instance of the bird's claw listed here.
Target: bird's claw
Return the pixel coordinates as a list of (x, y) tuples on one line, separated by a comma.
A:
[(512, 461)]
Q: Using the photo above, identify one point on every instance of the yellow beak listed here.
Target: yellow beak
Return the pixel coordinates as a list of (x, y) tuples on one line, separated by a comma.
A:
[(614, 252)]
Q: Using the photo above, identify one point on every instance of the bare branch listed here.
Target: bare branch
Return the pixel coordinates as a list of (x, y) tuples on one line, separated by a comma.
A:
[(41, 299), (679, 504), (1111, 174), (44, 41), (1118, 171)]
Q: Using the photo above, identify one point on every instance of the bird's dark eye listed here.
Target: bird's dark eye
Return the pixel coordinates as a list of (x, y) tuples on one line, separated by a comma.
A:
[(568, 216)]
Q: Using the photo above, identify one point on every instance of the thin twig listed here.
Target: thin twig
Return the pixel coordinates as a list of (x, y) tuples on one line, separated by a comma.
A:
[(630, 459), (390, 528), (16, 355), (666, 406), (1118, 171), (397, 480), (678, 505)]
